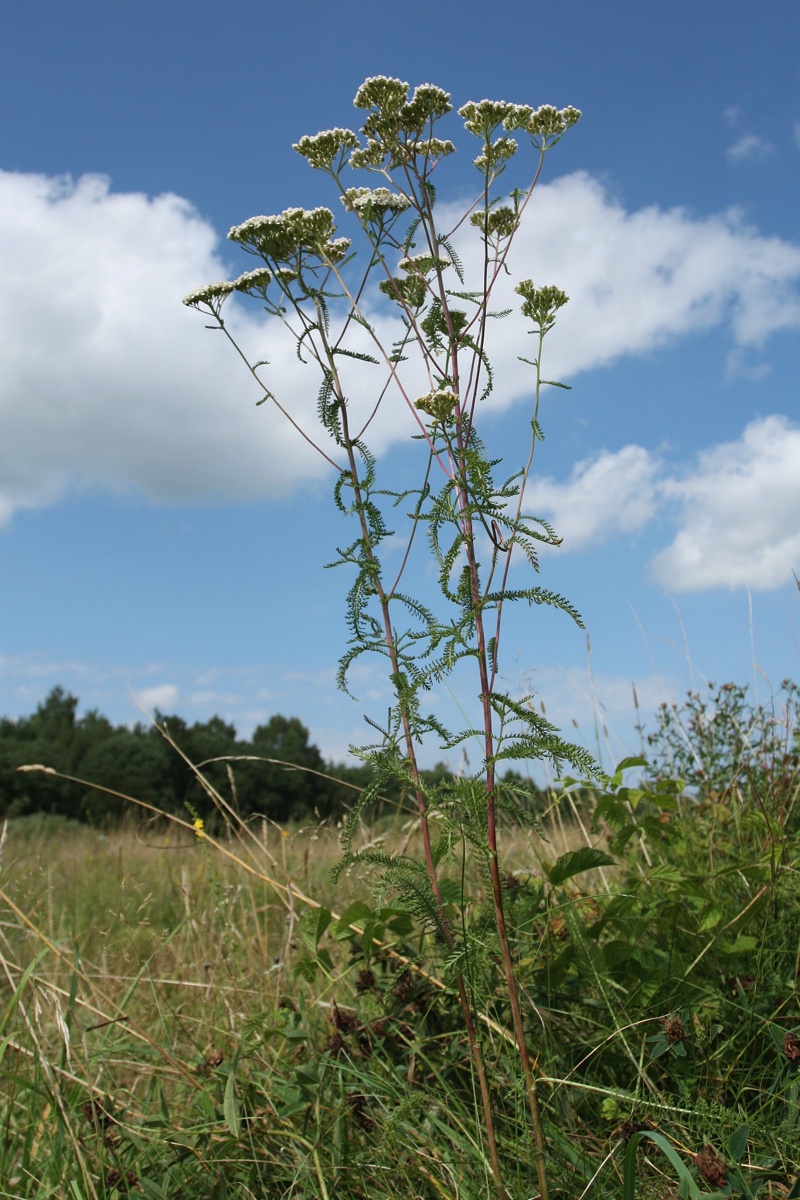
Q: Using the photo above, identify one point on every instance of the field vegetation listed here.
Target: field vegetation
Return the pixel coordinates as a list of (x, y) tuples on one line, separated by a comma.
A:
[(496, 991), (186, 1015)]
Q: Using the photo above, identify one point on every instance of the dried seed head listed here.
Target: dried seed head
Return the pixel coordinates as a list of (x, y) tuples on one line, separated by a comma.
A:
[(357, 1103), (365, 981), (791, 1047), (674, 1030), (121, 1180), (711, 1166), (403, 987), (345, 1022), (628, 1128), (96, 1114), (335, 1045)]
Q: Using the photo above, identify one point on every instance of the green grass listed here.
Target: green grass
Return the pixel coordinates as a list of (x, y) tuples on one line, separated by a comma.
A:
[(176, 1020)]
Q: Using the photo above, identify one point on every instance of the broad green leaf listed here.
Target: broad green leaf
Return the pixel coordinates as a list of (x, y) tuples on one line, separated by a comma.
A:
[(355, 914), (659, 1046), (710, 920), (230, 1107), (744, 944), (687, 1188), (667, 873), (574, 862), (737, 1143), (312, 925), (635, 760), (220, 1188)]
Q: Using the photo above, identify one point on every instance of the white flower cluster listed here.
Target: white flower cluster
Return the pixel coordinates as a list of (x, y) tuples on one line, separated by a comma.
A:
[(257, 280), (298, 223), (547, 121), (207, 294), (380, 91), (483, 117), (322, 148), (336, 249), (370, 156), (435, 147), (497, 223), (423, 263), (290, 234), (374, 202)]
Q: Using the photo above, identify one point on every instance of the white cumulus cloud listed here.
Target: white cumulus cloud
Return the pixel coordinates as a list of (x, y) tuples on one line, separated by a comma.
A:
[(739, 521), (108, 381), (638, 280), (614, 492)]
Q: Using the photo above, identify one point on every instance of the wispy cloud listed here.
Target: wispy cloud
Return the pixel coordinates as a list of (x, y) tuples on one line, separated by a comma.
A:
[(164, 696), (751, 148)]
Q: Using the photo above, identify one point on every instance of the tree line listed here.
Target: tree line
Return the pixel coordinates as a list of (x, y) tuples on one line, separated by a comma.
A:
[(140, 762)]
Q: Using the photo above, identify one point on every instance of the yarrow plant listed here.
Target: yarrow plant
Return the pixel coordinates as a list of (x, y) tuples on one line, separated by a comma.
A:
[(322, 287)]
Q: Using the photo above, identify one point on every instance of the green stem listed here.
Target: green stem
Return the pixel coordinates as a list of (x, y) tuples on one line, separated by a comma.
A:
[(463, 998)]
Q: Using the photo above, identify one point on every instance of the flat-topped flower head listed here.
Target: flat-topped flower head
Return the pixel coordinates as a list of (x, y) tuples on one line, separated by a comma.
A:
[(320, 149), (547, 123), (336, 250), (212, 295), (382, 92), (427, 104), (434, 147), (411, 291), (253, 281), (482, 117), (370, 156), (372, 203), (283, 237), (423, 264)]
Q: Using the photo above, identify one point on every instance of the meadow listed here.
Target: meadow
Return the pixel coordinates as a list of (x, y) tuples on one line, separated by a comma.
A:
[(192, 1011)]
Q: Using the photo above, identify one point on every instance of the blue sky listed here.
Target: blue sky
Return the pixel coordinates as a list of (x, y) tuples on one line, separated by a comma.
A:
[(161, 537)]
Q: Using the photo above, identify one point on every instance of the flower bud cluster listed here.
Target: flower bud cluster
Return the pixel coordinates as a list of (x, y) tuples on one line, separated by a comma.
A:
[(439, 404), (483, 117), (540, 305), (498, 222), (382, 93), (411, 291)]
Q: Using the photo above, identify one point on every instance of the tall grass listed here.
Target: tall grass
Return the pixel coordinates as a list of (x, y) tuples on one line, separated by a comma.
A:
[(185, 1015)]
